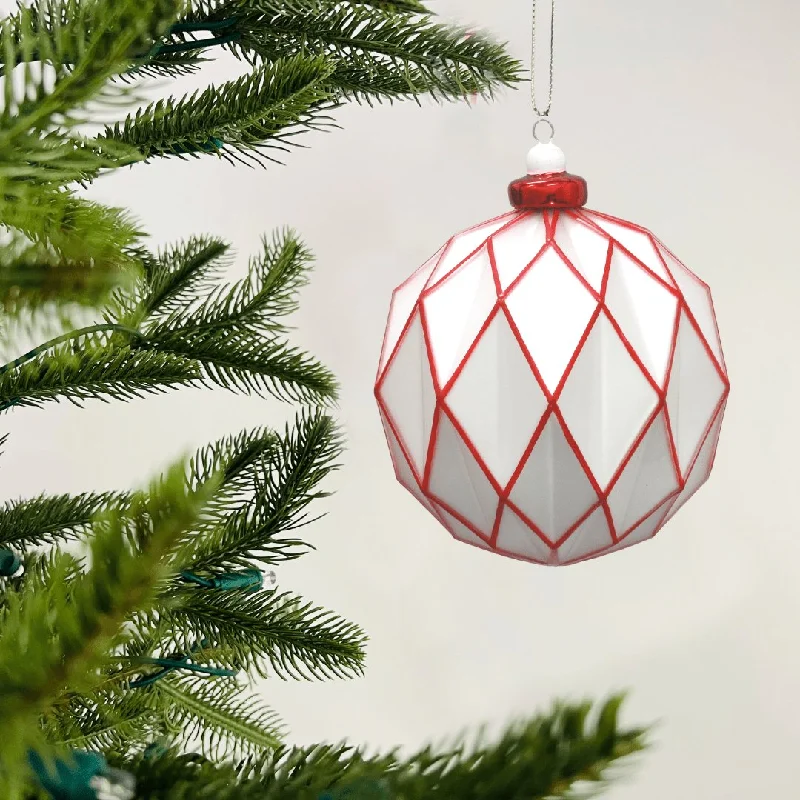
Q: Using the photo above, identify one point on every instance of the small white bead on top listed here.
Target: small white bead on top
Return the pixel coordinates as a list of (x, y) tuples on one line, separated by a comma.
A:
[(546, 158)]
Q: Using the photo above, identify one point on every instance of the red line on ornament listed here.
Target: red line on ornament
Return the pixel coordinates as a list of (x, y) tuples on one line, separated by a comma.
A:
[(470, 350), (709, 427), (632, 352), (653, 511), (629, 453), (525, 352), (716, 444), (493, 263), (396, 431), (693, 322), (526, 454), (525, 270), (589, 288), (571, 363), (532, 525), (473, 450), (619, 245)]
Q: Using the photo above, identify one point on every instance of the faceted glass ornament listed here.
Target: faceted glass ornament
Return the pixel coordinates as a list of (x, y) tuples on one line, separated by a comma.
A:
[(552, 383)]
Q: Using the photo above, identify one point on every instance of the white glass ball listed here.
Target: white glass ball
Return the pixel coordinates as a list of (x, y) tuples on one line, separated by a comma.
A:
[(552, 383)]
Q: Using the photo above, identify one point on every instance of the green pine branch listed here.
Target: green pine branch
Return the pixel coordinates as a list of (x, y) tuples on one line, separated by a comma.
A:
[(57, 247), (233, 334), (40, 567), (53, 228), (379, 53), (85, 44), (247, 118), (47, 518), (94, 370), (246, 462), (406, 6), (307, 57), (383, 50), (216, 713), (285, 475), (155, 337), (181, 52), (262, 633), (108, 721), (177, 275), (164, 65), (237, 459), (266, 633), (560, 754), (252, 305), (251, 364), (56, 158)]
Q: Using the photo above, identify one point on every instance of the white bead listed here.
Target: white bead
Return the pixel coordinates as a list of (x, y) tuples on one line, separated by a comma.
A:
[(545, 158)]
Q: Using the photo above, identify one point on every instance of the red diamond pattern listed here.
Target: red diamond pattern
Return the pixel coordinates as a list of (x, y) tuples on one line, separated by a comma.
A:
[(552, 385)]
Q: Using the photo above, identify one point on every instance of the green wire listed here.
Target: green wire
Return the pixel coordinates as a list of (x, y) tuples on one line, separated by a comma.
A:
[(175, 662), (197, 44), (212, 145), (251, 579)]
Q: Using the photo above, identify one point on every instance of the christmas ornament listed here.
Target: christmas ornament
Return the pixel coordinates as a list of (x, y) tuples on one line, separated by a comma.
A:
[(552, 382)]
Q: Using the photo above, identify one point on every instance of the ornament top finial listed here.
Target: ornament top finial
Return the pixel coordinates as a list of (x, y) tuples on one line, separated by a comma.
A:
[(546, 159), (547, 184)]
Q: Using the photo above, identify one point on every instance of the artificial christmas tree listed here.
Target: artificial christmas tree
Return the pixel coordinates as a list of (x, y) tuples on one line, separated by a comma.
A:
[(115, 666)]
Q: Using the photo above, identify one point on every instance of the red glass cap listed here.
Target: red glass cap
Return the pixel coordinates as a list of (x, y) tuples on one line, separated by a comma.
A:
[(551, 190)]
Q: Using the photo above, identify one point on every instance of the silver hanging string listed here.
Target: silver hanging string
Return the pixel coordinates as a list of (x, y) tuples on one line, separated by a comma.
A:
[(542, 112)]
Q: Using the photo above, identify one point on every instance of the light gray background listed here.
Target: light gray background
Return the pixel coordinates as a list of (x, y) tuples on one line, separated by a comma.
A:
[(683, 118)]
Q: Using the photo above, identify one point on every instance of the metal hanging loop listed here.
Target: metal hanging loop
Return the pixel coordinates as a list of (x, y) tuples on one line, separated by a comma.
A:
[(536, 135)]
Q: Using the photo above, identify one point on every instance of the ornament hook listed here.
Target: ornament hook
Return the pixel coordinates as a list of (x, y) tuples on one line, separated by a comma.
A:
[(544, 121)]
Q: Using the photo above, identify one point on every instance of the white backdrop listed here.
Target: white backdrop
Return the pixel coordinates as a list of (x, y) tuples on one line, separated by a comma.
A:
[(682, 116)]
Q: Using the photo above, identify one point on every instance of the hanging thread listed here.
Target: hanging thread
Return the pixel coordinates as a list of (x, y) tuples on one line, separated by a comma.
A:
[(543, 113)]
